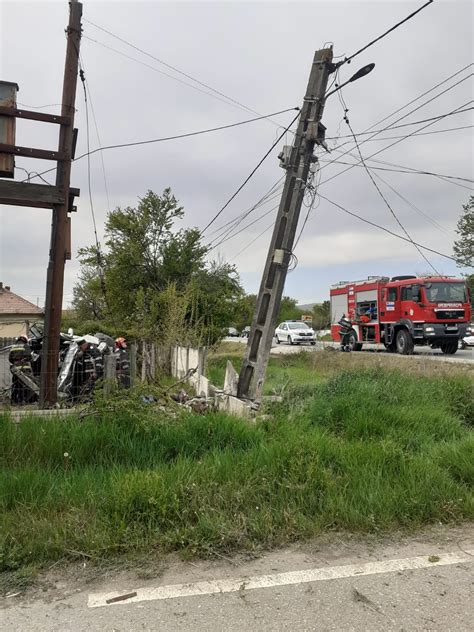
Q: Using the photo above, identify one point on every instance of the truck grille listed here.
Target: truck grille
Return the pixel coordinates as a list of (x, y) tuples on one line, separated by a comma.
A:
[(449, 314)]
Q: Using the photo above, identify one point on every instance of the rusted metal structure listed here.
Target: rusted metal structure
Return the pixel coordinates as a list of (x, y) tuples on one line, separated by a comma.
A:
[(8, 92), (59, 198)]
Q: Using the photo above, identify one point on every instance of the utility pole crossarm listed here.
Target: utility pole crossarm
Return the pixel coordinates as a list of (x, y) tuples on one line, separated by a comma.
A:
[(259, 344)]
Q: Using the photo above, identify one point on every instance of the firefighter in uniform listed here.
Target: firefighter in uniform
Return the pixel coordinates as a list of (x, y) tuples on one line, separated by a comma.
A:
[(123, 362), (346, 327), (20, 357), (86, 370)]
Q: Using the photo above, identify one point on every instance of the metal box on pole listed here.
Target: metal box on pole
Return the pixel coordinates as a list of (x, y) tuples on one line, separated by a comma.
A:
[(8, 92)]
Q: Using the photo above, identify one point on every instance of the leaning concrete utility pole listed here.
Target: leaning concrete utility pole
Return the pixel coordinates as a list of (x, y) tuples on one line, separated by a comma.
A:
[(297, 163), (60, 224)]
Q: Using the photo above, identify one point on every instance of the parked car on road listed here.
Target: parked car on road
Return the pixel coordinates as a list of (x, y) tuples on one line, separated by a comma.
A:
[(245, 332), (294, 332), (467, 341), (232, 332)]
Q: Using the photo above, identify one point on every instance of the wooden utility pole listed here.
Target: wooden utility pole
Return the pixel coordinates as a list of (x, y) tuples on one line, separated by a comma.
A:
[(60, 229), (298, 164)]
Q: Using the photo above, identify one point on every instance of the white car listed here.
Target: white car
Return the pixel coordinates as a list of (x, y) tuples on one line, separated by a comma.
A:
[(467, 341), (294, 332)]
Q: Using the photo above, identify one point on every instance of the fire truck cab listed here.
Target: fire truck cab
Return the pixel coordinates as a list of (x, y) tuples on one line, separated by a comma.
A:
[(402, 312)]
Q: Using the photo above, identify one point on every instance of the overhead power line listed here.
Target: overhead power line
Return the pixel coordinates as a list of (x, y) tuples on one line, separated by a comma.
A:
[(39, 107), (177, 136), (265, 230), (437, 131), (429, 219), (347, 60), (422, 171), (263, 200), (106, 187), (384, 148), (230, 231), (387, 230), (420, 96), (187, 135), (251, 174), (403, 169), (174, 68), (83, 80), (390, 128), (441, 117), (161, 72), (244, 228), (387, 203)]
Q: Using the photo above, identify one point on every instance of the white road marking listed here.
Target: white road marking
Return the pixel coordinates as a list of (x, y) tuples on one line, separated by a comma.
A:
[(210, 587)]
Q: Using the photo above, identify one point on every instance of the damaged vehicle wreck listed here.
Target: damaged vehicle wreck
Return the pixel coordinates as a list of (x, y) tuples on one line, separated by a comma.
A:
[(81, 365)]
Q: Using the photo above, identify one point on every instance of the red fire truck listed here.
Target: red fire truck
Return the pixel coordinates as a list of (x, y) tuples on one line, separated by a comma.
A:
[(401, 312)]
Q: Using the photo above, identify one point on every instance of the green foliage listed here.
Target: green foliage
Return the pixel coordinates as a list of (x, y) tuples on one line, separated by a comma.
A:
[(244, 310), (366, 450), (464, 246), (154, 280), (88, 296), (289, 310), (322, 315)]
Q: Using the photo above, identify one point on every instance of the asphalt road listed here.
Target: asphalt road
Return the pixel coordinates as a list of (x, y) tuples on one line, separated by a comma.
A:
[(424, 583), (462, 355)]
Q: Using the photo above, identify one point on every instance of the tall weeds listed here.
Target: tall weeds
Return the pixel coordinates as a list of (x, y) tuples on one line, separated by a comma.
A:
[(365, 450)]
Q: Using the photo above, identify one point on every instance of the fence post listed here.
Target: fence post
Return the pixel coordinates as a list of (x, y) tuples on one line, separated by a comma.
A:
[(144, 360), (153, 361), (110, 370), (133, 363)]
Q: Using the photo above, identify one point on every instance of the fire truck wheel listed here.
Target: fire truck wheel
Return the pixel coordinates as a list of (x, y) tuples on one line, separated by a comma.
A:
[(352, 342), (404, 342), (449, 347)]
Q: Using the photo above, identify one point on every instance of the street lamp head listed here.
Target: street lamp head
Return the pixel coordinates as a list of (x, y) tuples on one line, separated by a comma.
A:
[(362, 72)]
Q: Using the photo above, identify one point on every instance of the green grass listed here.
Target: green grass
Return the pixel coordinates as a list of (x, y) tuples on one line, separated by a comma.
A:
[(365, 450), (282, 370)]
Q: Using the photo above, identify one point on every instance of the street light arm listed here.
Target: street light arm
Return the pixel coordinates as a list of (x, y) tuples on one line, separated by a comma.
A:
[(358, 75)]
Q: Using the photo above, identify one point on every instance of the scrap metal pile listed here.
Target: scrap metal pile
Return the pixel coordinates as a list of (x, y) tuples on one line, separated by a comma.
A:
[(81, 366)]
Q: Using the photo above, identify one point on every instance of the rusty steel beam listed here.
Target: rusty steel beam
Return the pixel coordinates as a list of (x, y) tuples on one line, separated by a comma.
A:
[(25, 194), (31, 152), (36, 195), (35, 116)]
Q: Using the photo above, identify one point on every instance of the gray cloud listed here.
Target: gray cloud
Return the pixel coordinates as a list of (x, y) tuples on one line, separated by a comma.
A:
[(260, 54)]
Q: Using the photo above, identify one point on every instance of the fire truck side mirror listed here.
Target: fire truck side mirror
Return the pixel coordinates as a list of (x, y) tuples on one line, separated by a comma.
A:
[(416, 294)]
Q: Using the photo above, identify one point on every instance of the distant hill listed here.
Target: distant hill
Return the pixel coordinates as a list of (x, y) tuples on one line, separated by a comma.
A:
[(308, 307)]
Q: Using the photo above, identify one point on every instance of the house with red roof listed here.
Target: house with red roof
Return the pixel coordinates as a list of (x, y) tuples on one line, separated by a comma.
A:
[(16, 314)]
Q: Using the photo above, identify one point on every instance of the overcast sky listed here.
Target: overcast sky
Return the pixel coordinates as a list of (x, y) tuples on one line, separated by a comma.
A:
[(258, 53)]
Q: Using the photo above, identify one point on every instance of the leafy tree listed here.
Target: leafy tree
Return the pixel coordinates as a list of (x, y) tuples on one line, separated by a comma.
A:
[(322, 315), (145, 254), (244, 310), (156, 281), (88, 296), (289, 309), (464, 246)]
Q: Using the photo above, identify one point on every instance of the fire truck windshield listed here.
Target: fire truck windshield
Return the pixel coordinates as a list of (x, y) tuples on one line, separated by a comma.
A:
[(445, 292)]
